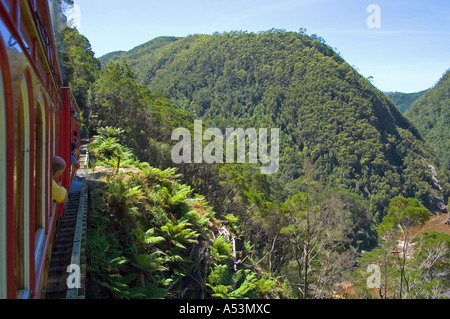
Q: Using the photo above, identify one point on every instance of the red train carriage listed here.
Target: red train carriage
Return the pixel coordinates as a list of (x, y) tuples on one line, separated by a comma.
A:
[(37, 120)]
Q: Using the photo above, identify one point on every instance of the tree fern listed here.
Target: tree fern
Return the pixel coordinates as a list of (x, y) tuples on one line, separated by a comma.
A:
[(219, 275), (240, 285), (180, 195), (150, 239), (197, 220), (221, 250), (149, 291), (180, 235)]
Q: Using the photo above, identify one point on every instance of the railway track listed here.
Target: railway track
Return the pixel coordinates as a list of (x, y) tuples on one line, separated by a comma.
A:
[(84, 156), (69, 247)]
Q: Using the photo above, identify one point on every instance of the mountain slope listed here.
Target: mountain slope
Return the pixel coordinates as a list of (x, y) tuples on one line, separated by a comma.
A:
[(138, 52), (112, 56), (355, 135), (431, 115), (404, 100), (150, 236)]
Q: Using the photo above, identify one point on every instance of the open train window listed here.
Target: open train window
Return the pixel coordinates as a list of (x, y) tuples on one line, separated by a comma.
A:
[(39, 179), (3, 292), (53, 153), (49, 164), (22, 195), (54, 135)]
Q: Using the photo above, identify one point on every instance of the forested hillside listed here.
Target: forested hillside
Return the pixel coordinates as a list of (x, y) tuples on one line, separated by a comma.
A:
[(150, 236), (404, 101), (352, 170), (327, 112), (139, 53), (431, 115)]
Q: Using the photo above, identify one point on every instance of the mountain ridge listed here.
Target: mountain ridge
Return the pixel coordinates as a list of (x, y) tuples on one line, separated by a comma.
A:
[(327, 111), (347, 153), (431, 114), (404, 101), (153, 44)]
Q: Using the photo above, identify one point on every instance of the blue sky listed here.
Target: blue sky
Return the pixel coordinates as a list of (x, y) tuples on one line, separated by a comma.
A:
[(408, 53)]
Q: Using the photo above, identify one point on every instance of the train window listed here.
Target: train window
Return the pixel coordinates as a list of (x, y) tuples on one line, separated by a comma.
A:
[(22, 194), (2, 191), (48, 163), (53, 150), (54, 134), (39, 178)]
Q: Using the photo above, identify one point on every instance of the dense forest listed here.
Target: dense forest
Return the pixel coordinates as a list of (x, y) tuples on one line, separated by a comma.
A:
[(355, 175), (326, 111), (404, 101), (431, 115)]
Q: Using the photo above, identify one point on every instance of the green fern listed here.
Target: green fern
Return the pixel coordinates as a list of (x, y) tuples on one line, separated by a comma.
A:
[(122, 199), (145, 262), (180, 235), (198, 221), (150, 239), (221, 250), (180, 195), (160, 236), (149, 291), (219, 276), (243, 284)]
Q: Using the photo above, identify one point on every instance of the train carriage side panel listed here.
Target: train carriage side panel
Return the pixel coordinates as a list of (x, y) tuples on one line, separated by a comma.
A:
[(70, 127), (36, 123)]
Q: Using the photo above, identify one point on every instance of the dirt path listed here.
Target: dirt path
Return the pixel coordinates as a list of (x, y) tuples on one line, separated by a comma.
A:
[(436, 223)]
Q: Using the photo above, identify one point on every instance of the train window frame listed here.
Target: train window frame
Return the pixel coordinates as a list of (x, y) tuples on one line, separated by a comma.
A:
[(54, 134), (23, 291), (53, 153), (40, 180), (3, 195), (49, 166)]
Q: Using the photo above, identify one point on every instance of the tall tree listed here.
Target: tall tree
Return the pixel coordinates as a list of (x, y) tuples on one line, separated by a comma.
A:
[(318, 228), (431, 260), (147, 118), (79, 64), (402, 216)]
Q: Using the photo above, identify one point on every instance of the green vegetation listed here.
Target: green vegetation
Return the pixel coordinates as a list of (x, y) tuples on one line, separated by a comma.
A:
[(404, 100), (326, 111), (353, 170), (431, 115), (150, 237), (417, 266), (79, 70), (147, 119), (139, 53)]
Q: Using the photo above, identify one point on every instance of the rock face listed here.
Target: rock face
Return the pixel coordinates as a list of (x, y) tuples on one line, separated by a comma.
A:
[(438, 202)]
